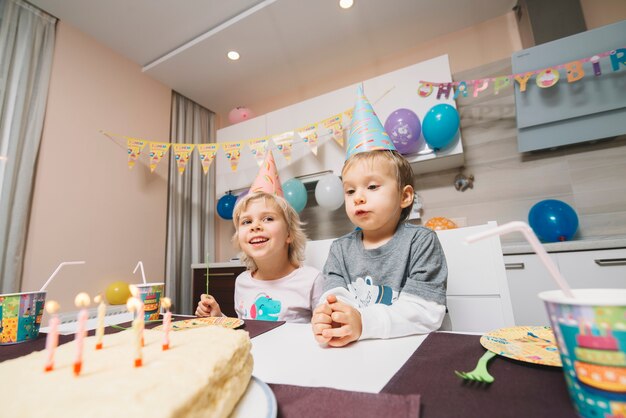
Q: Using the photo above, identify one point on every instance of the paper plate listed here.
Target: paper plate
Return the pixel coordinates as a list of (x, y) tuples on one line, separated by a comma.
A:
[(530, 344), (221, 321)]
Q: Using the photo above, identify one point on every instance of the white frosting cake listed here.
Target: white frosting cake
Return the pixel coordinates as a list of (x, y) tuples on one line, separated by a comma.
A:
[(203, 374)]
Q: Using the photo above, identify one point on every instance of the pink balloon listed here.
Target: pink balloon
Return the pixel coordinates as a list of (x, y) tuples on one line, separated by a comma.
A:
[(239, 114)]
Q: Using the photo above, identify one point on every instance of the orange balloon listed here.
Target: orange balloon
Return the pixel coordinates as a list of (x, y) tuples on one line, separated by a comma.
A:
[(439, 223)]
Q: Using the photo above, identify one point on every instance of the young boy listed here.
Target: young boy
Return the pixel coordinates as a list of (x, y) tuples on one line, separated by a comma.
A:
[(387, 279)]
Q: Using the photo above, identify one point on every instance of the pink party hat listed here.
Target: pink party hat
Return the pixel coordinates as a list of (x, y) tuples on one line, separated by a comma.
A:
[(267, 180), (366, 131)]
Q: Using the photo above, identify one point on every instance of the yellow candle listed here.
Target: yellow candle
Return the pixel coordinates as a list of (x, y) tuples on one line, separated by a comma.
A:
[(52, 339), (133, 305), (102, 309), (82, 300), (140, 310)]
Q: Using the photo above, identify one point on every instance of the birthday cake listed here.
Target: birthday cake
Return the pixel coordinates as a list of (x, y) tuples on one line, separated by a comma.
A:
[(203, 374)]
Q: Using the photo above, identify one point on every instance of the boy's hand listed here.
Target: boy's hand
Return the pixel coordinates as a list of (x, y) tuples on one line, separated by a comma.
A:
[(208, 306), (346, 324), (321, 319)]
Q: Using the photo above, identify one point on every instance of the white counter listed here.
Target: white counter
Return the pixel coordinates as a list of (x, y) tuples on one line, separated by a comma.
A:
[(597, 243)]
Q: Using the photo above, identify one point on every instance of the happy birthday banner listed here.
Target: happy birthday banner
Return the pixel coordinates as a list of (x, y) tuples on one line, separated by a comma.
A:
[(544, 78), (332, 127)]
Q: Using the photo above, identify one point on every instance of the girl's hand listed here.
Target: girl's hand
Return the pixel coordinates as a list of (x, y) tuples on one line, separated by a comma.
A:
[(208, 306), (347, 325), (321, 319)]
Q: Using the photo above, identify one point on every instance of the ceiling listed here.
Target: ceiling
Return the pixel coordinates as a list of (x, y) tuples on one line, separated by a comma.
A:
[(285, 45)]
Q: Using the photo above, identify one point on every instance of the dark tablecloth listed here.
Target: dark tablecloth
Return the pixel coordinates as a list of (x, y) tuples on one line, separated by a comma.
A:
[(520, 389)]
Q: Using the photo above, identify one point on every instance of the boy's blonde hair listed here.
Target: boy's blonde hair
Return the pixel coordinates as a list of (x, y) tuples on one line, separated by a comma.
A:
[(295, 251), (403, 170)]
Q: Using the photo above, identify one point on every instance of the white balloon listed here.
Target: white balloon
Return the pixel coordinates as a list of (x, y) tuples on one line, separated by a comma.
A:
[(329, 192)]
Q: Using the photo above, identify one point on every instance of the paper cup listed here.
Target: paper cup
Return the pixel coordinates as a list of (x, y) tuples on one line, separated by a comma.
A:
[(591, 335), (150, 294), (20, 316)]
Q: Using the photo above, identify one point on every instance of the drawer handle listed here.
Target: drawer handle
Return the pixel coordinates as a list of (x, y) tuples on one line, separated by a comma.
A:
[(211, 274), (514, 266), (611, 262)]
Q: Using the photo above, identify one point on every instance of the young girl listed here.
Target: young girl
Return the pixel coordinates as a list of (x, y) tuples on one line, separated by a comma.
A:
[(276, 286)]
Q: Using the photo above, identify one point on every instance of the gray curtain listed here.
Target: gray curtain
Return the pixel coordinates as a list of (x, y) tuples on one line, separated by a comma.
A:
[(191, 203), (26, 45)]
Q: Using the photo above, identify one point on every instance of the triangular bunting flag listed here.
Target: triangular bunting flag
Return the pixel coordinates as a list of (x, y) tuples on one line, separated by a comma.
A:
[(134, 149), (157, 152), (233, 153), (182, 153), (332, 125), (207, 155), (309, 137), (259, 148), (284, 143)]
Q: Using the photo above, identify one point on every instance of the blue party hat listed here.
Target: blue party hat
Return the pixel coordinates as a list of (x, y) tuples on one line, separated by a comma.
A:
[(366, 131)]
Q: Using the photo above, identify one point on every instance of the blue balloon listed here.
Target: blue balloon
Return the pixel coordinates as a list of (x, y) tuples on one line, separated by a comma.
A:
[(440, 126), (553, 220), (225, 206), (295, 194)]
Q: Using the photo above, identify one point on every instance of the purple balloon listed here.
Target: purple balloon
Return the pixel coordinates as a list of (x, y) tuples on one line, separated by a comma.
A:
[(404, 128)]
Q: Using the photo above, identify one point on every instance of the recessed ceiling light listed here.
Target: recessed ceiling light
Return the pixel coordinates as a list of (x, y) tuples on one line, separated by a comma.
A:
[(233, 55), (346, 4)]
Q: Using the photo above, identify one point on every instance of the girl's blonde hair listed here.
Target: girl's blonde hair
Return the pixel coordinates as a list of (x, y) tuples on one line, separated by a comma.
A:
[(295, 252)]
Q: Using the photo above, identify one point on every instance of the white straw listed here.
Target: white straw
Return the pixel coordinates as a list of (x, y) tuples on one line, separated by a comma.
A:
[(65, 263), (534, 242), (143, 274)]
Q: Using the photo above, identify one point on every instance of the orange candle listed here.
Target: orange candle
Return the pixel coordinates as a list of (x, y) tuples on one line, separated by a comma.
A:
[(167, 322), (52, 339), (82, 300)]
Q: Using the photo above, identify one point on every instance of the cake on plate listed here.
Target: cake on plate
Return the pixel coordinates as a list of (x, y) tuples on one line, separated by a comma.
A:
[(203, 374)]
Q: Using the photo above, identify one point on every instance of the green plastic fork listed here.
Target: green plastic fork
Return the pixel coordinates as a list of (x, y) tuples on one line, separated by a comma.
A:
[(480, 373)]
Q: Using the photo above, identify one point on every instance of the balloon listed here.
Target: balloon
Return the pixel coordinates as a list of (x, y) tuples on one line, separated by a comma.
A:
[(295, 194), (239, 114), (117, 293), (440, 223), (329, 192), (404, 128), (225, 206), (440, 126), (553, 220)]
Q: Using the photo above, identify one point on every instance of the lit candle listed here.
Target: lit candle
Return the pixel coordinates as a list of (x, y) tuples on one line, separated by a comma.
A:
[(82, 300), (140, 309), (102, 309), (167, 322), (133, 304), (52, 339)]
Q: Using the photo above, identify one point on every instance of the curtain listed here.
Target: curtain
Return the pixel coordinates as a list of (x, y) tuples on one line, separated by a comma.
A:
[(26, 45), (190, 217)]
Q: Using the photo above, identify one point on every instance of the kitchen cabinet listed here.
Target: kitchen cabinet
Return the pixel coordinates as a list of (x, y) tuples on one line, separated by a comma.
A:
[(221, 284), (527, 277)]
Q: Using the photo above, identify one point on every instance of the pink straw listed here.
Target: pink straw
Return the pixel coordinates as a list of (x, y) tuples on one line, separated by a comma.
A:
[(534, 242)]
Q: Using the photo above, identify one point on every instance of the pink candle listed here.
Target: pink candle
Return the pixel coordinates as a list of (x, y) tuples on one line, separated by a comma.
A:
[(52, 339), (82, 300), (167, 322)]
